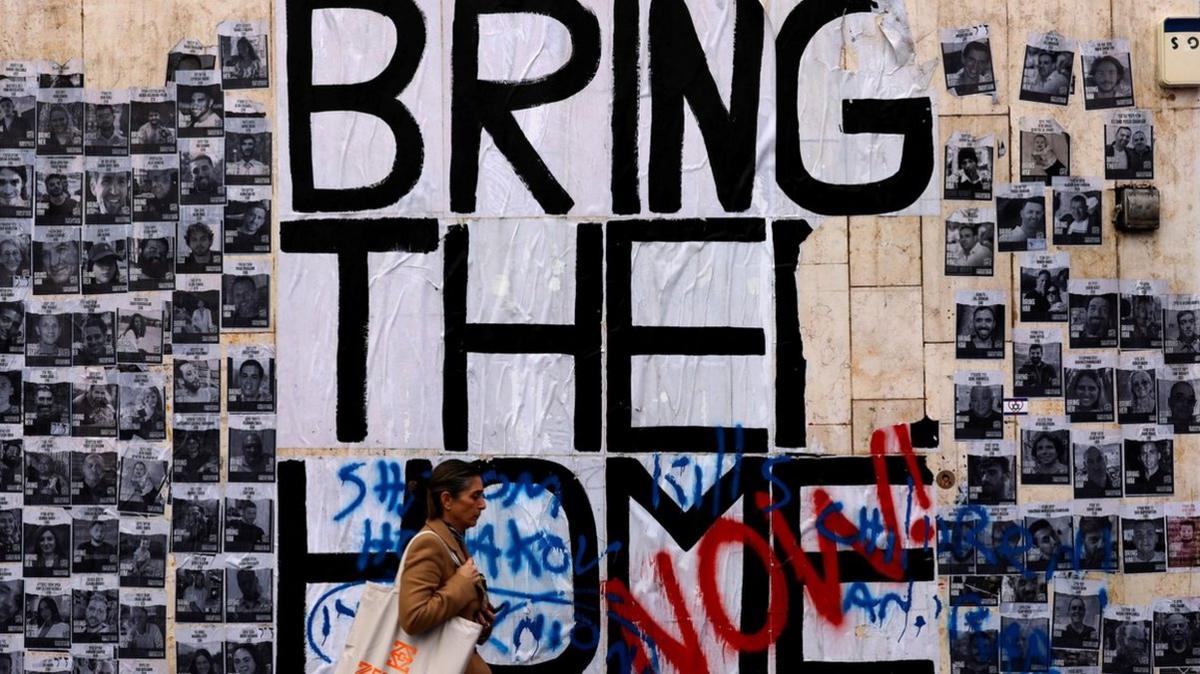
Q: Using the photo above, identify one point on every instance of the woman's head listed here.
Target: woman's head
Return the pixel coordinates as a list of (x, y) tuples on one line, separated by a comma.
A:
[(151, 400), (1143, 311), (456, 493), (12, 184), (245, 49), (60, 119), (46, 542), (12, 255), (202, 662), (1047, 450), (47, 611), (245, 659), (1087, 390), (1141, 385)]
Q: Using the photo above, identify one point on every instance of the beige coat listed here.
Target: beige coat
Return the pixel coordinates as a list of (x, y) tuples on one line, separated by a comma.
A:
[(431, 592)]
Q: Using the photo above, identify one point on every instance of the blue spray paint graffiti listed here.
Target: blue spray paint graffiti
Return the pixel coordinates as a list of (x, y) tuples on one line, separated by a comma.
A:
[(534, 561), (520, 544)]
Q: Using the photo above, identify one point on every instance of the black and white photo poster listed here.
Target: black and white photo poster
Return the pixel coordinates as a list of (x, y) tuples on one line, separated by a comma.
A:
[(1143, 538), (1137, 399), (1128, 144), (1045, 150), (1097, 463), (1045, 282), (1078, 210), (969, 167), (1046, 72), (967, 58), (977, 398), (1107, 74), (1021, 216), (1149, 460), (982, 324), (1045, 450), (1037, 362), (970, 242), (1142, 314), (1126, 638)]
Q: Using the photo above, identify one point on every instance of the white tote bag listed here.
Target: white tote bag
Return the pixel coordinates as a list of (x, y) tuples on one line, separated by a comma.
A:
[(377, 645)]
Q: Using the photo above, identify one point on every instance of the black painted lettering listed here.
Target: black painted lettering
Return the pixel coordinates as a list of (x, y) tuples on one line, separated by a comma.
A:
[(911, 118), (376, 97), (678, 72), (478, 105)]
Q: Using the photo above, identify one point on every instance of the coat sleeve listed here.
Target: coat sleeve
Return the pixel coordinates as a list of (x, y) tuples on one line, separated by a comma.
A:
[(427, 601)]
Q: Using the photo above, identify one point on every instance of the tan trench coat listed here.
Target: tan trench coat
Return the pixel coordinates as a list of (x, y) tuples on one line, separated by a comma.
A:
[(431, 592)]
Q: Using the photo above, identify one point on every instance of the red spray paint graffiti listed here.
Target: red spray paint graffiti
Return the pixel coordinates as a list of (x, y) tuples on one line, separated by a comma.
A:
[(824, 590)]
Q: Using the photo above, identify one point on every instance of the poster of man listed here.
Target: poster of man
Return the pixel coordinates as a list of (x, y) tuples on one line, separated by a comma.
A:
[(977, 405), (1047, 71), (1021, 216), (1108, 74), (1142, 314), (1128, 145), (969, 167), (1037, 363), (981, 324), (1078, 211), (970, 242)]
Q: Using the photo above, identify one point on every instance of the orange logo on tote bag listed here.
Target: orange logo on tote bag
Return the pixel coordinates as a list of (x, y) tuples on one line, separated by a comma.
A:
[(402, 657)]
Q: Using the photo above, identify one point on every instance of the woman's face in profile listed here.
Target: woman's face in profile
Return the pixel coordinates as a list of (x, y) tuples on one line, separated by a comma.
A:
[(464, 509)]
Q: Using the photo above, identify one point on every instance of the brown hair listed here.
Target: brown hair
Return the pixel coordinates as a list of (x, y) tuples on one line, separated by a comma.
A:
[(451, 475)]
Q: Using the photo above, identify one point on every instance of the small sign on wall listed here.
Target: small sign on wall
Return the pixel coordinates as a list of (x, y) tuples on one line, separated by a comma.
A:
[(1179, 52)]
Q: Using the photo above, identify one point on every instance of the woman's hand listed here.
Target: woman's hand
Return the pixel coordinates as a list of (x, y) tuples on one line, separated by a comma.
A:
[(486, 617), (468, 570)]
